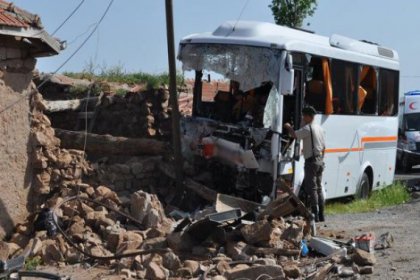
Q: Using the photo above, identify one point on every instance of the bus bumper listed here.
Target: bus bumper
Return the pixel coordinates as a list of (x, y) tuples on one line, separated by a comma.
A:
[(411, 157)]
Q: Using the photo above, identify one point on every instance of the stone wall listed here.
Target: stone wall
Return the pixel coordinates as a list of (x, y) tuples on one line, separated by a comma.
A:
[(128, 175), (15, 146)]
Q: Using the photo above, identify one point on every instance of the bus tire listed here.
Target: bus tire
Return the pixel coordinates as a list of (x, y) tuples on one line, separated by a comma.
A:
[(363, 190)]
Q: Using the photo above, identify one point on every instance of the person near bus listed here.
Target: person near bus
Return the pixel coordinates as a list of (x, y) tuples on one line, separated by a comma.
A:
[(313, 137)]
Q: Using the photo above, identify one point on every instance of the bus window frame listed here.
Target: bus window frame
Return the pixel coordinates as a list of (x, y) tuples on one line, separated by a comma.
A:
[(396, 96)]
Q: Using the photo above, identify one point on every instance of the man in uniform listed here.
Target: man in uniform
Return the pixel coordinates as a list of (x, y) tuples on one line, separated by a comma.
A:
[(313, 137)]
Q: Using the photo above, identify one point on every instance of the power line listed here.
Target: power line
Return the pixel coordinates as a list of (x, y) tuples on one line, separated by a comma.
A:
[(69, 43), (68, 17), (65, 62)]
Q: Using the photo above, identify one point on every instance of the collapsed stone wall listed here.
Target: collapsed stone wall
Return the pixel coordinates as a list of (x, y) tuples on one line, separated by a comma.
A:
[(15, 141), (137, 114), (135, 111), (127, 174)]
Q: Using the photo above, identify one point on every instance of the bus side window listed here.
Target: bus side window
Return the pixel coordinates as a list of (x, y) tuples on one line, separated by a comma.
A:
[(344, 83), (368, 89), (315, 88), (388, 92)]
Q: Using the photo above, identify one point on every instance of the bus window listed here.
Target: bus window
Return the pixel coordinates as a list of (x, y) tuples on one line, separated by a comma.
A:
[(344, 83), (388, 92), (367, 91), (315, 89)]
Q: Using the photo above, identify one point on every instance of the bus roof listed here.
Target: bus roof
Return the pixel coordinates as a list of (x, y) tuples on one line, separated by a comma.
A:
[(263, 34)]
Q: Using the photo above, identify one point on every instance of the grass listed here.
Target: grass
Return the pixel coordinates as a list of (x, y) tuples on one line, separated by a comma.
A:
[(388, 196), (119, 75), (33, 263)]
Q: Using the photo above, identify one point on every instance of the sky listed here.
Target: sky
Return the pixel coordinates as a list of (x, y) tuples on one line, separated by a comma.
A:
[(133, 34)]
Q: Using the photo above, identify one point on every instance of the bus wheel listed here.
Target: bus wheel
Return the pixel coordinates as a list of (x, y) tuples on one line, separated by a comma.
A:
[(364, 188)]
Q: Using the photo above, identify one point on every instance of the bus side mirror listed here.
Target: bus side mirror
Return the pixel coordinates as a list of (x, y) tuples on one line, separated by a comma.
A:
[(287, 75)]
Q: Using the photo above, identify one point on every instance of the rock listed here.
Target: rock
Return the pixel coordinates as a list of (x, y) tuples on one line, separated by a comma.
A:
[(266, 261), (114, 239), (254, 272), (237, 251), (140, 205), (193, 266), (128, 274), (366, 270), (222, 267), (203, 251), (171, 261), (73, 256), (19, 239), (292, 271), (293, 234), (36, 246), (4, 251), (64, 160), (51, 253), (363, 258), (131, 242), (102, 220), (155, 232), (102, 191), (218, 277), (156, 271), (257, 232), (148, 209), (179, 241), (346, 272), (158, 242)]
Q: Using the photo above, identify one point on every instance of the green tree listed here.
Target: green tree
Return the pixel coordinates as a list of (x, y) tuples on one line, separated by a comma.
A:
[(292, 12)]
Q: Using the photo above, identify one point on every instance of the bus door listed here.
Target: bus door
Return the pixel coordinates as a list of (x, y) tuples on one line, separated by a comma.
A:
[(292, 108)]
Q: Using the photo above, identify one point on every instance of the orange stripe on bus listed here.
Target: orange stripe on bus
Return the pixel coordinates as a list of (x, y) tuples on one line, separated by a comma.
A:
[(364, 140), (379, 139), (343, 150)]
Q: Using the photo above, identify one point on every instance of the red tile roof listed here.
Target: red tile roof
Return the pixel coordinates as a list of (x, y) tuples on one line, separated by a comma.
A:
[(9, 19), (10, 15)]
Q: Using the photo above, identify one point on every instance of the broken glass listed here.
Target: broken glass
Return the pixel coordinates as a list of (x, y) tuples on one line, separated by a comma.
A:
[(250, 66)]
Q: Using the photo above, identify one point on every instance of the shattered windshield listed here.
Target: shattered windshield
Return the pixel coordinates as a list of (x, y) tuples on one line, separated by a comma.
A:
[(249, 66), (237, 84)]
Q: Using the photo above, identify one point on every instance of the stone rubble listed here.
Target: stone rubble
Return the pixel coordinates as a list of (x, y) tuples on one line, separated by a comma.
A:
[(269, 246)]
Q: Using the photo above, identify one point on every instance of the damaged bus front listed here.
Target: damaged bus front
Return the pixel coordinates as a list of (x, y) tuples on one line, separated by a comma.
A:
[(233, 138)]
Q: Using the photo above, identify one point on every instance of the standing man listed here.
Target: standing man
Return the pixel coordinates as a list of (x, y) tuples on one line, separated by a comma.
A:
[(313, 137)]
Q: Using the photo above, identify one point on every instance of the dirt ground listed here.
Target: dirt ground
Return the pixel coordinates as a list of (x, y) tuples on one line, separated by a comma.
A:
[(403, 222), (402, 261)]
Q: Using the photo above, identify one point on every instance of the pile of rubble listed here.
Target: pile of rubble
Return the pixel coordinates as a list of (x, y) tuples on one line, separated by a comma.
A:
[(54, 167), (82, 221)]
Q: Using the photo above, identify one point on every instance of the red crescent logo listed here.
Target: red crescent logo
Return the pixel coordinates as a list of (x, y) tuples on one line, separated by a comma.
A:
[(411, 106)]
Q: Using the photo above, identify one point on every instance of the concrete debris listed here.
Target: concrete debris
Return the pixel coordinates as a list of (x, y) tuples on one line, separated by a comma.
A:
[(212, 242), (292, 271), (363, 258), (254, 272), (366, 270)]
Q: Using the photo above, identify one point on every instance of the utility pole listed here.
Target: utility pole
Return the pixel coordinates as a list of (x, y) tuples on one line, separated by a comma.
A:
[(173, 99)]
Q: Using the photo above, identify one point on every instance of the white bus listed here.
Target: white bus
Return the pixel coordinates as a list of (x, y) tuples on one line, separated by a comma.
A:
[(265, 75)]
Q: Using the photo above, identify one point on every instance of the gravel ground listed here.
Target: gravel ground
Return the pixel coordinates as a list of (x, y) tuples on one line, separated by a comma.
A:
[(402, 261)]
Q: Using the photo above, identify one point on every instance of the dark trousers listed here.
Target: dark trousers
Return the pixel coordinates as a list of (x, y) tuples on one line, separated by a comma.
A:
[(312, 181)]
